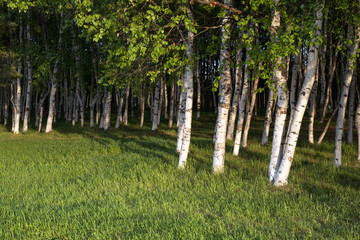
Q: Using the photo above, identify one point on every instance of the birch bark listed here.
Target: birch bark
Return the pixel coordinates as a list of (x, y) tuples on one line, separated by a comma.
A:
[(350, 65), (225, 98), (282, 172), (189, 99)]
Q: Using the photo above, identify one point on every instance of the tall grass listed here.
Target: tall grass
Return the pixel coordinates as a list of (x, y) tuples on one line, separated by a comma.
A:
[(123, 183)]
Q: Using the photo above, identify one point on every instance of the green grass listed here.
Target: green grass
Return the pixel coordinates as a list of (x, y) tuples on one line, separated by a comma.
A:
[(89, 184)]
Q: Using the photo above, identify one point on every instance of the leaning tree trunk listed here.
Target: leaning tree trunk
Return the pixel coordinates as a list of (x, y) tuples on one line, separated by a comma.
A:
[(249, 114), (236, 97), (350, 65), (189, 100), (282, 173), (225, 98)]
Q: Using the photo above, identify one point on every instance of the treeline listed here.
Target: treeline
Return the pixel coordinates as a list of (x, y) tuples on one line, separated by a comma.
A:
[(84, 60)]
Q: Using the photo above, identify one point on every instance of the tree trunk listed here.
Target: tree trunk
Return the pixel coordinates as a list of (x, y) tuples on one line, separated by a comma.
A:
[(198, 88), (189, 100), (171, 113), (119, 118), (249, 114), (344, 96), (282, 172), (225, 98), (357, 123), (312, 109), (181, 115), (236, 95), (242, 108), (268, 118), (351, 109), (29, 83), (156, 106), (126, 110)]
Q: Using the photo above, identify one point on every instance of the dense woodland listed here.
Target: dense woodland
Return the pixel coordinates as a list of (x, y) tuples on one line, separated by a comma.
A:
[(90, 62)]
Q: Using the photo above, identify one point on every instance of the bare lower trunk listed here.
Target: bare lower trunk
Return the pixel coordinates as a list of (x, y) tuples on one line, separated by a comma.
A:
[(236, 96), (357, 123), (126, 110), (268, 118), (312, 110), (189, 102), (242, 109), (107, 110), (156, 106), (225, 97), (343, 99), (351, 109), (198, 88), (120, 107), (282, 173), (142, 105), (181, 115), (171, 113), (327, 125), (249, 114)]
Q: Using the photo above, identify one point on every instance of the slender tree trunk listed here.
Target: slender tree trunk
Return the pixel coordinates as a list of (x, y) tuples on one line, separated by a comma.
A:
[(198, 88), (142, 105), (327, 125), (171, 113), (236, 96), (181, 115), (225, 98), (357, 123), (282, 173), (119, 118), (242, 109), (179, 103), (344, 96), (351, 109), (29, 83), (268, 118), (107, 110), (312, 110), (249, 114), (156, 106), (161, 100), (126, 111), (185, 147)]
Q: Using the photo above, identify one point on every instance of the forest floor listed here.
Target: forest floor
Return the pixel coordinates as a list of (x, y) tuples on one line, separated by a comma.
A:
[(82, 183)]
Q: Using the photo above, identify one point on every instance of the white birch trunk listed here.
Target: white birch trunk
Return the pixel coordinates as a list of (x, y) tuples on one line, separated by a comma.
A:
[(181, 115), (357, 123), (343, 99), (225, 98), (189, 100), (242, 109), (268, 118), (126, 110), (351, 109), (171, 113), (283, 171), (155, 122), (198, 100), (29, 83), (312, 110), (249, 114), (107, 110), (236, 96)]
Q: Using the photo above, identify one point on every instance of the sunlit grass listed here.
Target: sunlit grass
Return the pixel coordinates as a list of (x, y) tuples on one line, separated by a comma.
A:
[(123, 183)]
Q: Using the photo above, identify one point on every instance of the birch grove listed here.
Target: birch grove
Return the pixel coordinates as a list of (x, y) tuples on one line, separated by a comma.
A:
[(241, 63)]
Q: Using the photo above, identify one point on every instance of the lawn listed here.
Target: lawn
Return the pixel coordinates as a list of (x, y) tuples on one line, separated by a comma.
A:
[(86, 183)]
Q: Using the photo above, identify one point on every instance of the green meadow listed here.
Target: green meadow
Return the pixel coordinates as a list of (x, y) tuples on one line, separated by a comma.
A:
[(124, 183)]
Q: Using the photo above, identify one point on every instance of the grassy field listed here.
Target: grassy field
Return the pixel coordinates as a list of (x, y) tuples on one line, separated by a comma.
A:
[(89, 184)]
